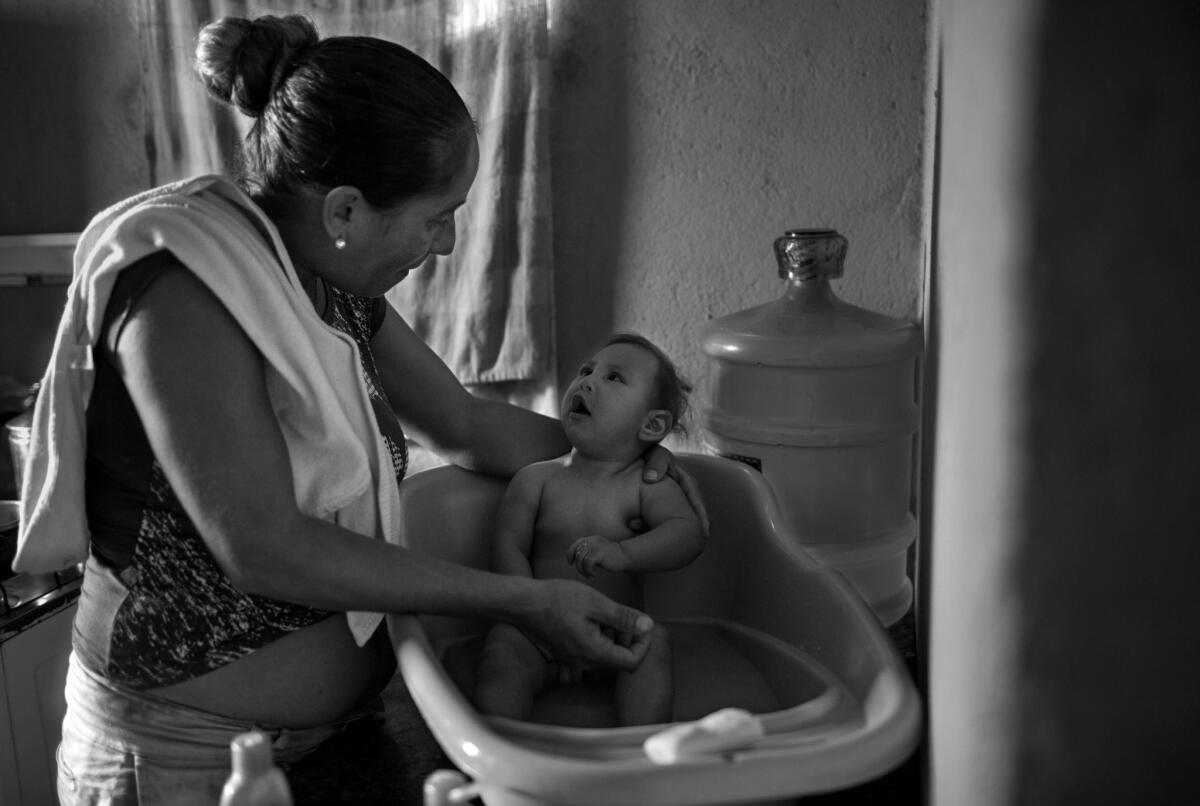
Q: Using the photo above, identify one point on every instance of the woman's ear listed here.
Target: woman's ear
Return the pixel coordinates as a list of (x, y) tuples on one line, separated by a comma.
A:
[(344, 206), (656, 425)]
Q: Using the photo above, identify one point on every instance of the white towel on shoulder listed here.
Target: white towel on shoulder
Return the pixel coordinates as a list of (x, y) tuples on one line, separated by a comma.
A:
[(340, 465)]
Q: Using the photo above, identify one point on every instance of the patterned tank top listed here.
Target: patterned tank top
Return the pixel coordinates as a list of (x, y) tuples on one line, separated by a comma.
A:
[(155, 608)]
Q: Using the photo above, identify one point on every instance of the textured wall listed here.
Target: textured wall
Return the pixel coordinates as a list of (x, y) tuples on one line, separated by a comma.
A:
[(691, 134)]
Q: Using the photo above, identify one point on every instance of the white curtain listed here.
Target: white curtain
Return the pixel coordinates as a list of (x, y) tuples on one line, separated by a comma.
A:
[(487, 310)]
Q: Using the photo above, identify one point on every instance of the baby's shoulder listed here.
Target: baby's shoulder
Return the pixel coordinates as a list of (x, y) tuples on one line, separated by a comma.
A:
[(538, 472), (665, 489), (631, 474)]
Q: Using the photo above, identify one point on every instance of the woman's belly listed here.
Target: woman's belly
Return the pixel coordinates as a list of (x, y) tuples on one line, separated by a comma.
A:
[(309, 677)]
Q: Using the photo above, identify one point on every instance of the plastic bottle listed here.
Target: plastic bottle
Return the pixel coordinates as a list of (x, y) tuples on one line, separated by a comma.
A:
[(255, 780), (820, 395)]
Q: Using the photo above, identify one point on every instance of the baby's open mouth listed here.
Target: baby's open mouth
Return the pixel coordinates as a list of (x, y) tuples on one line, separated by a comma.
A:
[(577, 405)]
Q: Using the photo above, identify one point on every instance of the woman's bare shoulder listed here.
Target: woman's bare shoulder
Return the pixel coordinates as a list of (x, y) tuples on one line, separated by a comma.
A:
[(177, 315)]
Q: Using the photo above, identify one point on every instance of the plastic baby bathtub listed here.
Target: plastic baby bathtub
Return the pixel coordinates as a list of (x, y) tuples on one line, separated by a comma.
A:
[(755, 623)]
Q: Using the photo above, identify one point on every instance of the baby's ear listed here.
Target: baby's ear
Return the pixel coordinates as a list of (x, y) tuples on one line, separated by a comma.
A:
[(656, 425)]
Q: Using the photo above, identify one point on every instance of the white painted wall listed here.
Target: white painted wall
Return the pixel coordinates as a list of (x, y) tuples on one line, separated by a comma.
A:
[(690, 134)]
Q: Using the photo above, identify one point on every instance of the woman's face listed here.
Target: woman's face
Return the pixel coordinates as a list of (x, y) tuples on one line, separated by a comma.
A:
[(403, 238)]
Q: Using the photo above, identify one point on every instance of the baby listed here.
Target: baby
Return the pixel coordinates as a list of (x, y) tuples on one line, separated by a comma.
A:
[(568, 518)]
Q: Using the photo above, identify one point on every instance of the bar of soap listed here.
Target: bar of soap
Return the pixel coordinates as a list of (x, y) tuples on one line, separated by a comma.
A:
[(719, 732)]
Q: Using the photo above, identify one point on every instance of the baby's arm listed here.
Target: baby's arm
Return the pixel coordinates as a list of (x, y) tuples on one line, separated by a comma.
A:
[(515, 523), (674, 539)]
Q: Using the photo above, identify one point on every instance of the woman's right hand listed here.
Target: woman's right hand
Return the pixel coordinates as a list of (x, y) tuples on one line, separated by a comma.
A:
[(579, 627)]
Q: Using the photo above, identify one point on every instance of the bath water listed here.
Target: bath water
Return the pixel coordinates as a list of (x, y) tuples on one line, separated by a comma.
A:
[(718, 664)]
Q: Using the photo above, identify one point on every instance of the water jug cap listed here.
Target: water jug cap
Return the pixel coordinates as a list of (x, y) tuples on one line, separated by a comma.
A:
[(810, 254)]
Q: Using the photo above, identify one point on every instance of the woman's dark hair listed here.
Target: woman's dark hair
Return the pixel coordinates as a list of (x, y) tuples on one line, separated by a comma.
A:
[(345, 110), (670, 389)]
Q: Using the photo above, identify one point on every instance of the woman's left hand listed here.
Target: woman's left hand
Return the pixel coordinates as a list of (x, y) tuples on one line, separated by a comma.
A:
[(660, 463), (578, 627)]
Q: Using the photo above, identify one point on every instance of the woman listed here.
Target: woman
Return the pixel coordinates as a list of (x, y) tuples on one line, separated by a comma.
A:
[(214, 597)]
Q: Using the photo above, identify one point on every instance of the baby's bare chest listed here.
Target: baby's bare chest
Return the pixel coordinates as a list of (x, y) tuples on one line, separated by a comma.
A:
[(572, 507)]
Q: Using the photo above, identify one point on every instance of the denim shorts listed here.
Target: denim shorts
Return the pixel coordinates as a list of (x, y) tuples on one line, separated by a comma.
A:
[(121, 746)]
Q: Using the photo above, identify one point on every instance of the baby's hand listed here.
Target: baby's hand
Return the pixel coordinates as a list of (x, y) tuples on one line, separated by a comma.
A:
[(592, 552)]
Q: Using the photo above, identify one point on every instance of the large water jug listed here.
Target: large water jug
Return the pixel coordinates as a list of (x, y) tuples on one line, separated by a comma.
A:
[(821, 397)]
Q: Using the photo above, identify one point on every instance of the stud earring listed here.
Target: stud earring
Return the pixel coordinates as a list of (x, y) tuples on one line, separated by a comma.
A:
[(340, 242)]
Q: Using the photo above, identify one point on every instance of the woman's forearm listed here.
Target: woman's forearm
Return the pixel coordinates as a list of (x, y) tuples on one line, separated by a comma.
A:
[(500, 438), (434, 407), (321, 565), (328, 567)]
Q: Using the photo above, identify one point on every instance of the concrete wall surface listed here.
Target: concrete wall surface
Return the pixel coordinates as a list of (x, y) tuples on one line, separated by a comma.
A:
[(689, 135)]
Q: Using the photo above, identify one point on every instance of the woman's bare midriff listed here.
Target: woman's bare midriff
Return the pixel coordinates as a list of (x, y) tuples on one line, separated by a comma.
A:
[(309, 677)]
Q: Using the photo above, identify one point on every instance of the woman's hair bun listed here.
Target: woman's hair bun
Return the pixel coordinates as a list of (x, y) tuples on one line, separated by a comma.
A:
[(241, 61)]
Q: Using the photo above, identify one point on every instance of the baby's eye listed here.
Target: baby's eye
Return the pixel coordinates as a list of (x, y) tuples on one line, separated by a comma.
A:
[(585, 371), (615, 376)]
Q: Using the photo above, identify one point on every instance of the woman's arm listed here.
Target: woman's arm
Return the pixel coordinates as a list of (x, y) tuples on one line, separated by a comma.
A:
[(198, 385), (477, 434), (473, 433)]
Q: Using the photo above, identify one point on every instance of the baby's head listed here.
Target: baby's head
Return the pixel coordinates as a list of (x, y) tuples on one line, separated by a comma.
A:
[(670, 389), (628, 393)]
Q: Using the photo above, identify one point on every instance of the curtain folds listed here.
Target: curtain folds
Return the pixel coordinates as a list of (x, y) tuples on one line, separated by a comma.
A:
[(487, 309)]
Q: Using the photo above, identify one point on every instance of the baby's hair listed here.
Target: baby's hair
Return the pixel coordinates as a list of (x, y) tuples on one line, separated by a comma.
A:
[(670, 389)]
